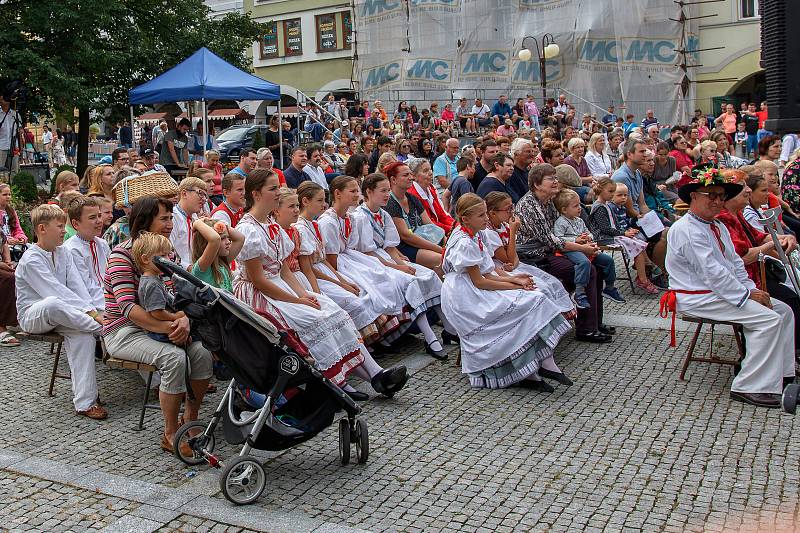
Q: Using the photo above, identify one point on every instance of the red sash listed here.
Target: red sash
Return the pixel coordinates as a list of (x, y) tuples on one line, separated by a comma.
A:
[(667, 305)]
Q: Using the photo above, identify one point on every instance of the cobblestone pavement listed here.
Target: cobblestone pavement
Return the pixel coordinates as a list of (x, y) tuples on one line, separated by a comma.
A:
[(629, 447)]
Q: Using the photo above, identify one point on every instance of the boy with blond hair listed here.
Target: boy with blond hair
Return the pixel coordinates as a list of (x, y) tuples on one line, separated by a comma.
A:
[(192, 197), (51, 296), (89, 252)]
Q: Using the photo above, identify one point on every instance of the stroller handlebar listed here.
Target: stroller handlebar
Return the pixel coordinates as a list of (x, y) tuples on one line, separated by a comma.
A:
[(172, 269)]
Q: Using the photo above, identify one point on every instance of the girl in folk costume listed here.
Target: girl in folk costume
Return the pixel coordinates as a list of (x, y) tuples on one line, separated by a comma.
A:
[(336, 227), (323, 278), (501, 235), (378, 237), (606, 228), (264, 280), (508, 329)]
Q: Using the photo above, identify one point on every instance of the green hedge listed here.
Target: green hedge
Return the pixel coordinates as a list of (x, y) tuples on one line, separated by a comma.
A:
[(23, 186)]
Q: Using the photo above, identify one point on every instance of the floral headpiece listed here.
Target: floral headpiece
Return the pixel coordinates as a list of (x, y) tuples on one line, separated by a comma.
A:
[(707, 177)]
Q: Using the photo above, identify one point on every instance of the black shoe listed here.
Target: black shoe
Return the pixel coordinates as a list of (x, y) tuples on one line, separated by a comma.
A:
[(607, 330), (539, 386), (759, 399), (357, 396), (448, 338), (390, 380), (558, 376), (595, 337), (436, 354)]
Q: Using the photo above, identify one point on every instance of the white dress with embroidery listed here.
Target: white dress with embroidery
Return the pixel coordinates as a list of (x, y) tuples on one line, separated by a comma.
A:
[(360, 308), (329, 332), (422, 290), (505, 335), (547, 283), (366, 271)]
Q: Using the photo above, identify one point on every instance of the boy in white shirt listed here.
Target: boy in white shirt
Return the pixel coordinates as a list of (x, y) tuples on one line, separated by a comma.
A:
[(51, 296), (89, 252), (192, 197), (231, 210)]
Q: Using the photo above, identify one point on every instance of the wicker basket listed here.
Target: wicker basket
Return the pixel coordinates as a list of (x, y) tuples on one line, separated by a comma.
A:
[(132, 188)]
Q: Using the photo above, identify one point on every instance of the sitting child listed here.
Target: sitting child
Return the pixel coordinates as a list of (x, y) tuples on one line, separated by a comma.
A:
[(192, 198), (571, 227), (231, 209), (63, 202), (152, 292), (106, 211), (608, 228), (89, 252), (52, 296), (214, 246)]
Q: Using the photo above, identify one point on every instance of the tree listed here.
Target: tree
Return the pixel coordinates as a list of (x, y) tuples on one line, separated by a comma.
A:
[(87, 54)]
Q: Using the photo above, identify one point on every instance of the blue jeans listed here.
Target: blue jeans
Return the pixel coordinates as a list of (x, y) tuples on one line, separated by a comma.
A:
[(752, 146), (602, 263), (582, 191)]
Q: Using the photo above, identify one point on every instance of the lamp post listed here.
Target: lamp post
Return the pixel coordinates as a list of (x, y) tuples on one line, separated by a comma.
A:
[(545, 49)]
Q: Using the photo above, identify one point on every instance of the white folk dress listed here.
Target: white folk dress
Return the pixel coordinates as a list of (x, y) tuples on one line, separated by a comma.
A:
[(505, 335), (374, 233), (547, 283), (360, 308), (366, 271), (329, 332)]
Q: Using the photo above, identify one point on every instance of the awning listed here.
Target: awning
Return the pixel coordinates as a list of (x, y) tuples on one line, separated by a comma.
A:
[(152, 118), (229, 114)]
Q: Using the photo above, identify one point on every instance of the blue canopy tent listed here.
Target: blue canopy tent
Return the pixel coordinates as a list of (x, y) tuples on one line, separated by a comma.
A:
[(201, 77)]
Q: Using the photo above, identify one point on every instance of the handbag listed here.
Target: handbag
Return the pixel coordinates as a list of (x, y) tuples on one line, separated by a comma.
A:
[(430, 232), (774, 269)]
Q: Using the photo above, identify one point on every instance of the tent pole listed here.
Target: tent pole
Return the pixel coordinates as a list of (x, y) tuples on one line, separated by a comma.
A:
[(205, 127), (133, 132), (280, 131)]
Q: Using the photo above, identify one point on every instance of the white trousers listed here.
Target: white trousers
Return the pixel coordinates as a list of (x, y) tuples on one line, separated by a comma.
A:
[(769, 339), (79, 330)]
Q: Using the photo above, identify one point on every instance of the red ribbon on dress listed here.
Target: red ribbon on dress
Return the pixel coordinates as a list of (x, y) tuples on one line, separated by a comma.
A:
[(472, 236), (348, 227), (378, 218), (668, 303), (316, 230), (274, 231), (95, 261)]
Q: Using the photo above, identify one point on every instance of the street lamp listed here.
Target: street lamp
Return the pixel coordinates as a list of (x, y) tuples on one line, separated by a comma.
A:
[(546, 49)]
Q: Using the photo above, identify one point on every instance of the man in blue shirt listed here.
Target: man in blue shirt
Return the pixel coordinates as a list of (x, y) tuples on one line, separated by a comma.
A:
[(461, 185), (444, 167), (294, 172), (247, 162), (497, 179), (649, 120), (610, 118), (628, 125), (501, 110)]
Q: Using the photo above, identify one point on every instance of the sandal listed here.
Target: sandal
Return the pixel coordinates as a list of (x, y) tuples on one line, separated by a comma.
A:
[(7, 340)]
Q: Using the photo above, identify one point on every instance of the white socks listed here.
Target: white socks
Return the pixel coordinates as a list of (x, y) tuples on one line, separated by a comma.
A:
[(430, 336)]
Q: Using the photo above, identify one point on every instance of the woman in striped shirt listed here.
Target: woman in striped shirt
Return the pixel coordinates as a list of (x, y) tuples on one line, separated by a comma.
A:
[(126, 325)]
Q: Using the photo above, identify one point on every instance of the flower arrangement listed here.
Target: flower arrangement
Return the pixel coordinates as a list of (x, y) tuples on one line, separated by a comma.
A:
[(708, 176)]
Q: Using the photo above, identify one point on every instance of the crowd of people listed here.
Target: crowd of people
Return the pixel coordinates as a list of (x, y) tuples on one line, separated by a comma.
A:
[(505, 241)]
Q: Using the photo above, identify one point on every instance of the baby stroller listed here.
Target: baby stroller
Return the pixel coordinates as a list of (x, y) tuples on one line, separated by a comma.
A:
[(300, 401)]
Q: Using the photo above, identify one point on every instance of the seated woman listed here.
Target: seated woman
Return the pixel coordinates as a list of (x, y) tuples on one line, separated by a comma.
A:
[(653, 195), (264, 280), (377, 236), (508, 328), (750, 243), (538, 246), (126, 325), (409, 218), (760, 180), (422, 188), (575, 159), (596, 157), (502, 233)]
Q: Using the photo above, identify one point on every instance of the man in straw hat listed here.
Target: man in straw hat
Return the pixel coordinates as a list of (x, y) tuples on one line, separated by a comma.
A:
[(707, 279)]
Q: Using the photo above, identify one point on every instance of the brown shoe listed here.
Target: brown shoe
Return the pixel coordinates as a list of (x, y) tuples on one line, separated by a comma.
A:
[(166, 445), (95, 412), (772, 401)]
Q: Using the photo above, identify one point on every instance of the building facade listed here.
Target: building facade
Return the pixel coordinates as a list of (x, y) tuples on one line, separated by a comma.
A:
[(307, 51), (221, 7), (732, 73)]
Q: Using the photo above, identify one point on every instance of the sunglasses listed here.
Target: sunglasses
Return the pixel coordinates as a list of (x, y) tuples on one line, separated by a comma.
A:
[(713, 195)]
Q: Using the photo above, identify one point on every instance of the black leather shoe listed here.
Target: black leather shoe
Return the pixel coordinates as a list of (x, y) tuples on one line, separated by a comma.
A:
[(759, 399), (595, 337), (539, 386), (558, 376), (607, 330), (390, 380), (448, 338), (436, 354), (357, 396)]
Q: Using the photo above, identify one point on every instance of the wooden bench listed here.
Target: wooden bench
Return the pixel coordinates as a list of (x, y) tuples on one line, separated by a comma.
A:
[(122, 364), (711, 357), (56, 342)]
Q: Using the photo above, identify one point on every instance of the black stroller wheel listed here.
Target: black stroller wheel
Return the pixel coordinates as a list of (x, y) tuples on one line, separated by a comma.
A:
[(242, 480), (344, 441), (197, 443), (789, 398), (361, 439)]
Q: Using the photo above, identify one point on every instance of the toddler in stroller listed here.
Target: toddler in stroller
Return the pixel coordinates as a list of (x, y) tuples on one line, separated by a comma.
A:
[(299, 400)]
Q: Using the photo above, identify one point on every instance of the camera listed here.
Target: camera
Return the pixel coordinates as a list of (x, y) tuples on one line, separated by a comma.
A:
[(15, 91)]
